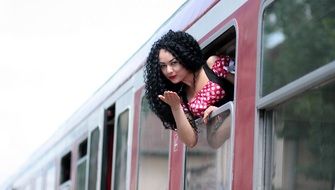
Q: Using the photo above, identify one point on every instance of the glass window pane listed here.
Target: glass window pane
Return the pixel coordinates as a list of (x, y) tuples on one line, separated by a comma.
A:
[(153, 151), (121, 152), (208, 164), (39, 183), (303, 145), (81, 175), (298, 36), (94, 147), (51, 179), (28, 187)]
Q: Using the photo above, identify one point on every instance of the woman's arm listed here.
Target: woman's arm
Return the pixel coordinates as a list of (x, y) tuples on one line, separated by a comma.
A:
[(184, 129)]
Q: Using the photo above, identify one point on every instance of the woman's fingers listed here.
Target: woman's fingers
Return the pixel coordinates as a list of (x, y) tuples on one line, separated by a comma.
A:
[(161, 97), (207, 112), (170, 94), (170, 98)]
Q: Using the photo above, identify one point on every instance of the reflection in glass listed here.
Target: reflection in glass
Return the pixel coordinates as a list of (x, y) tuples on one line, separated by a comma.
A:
[(303, 146), (81, 174), (298, 36), (208, 164), (93, 161), (153, 151), (218, 129)]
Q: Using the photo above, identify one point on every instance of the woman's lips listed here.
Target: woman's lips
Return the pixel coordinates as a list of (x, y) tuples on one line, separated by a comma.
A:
[(172, 77)]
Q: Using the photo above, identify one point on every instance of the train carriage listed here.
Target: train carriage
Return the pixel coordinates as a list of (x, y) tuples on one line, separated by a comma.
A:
[(278, 133)]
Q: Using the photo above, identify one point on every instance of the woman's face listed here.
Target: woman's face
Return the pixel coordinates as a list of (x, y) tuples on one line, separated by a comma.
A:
[(171, 68)]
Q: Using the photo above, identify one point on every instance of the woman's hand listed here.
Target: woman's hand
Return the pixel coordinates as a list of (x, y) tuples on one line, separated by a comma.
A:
[(184, 129), (207, 112), (171, 98)]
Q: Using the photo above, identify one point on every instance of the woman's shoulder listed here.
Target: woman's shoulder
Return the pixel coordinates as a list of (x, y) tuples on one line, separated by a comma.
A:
[(222, 60), (212, 60), (221, 64)]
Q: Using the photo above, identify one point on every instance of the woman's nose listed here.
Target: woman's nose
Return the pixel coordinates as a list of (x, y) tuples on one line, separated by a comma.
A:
[(169, 69)]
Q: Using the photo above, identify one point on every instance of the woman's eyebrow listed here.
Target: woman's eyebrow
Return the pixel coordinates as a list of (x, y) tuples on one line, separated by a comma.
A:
[(172, 60)]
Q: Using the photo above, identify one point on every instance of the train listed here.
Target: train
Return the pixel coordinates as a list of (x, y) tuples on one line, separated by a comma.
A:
[(281, 123)]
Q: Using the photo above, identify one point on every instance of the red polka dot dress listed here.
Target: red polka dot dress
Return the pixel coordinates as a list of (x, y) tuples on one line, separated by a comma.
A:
[(211, 92)]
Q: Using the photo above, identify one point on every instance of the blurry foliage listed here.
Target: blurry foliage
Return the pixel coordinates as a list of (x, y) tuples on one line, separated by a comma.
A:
[(307, 28), (310, 119)]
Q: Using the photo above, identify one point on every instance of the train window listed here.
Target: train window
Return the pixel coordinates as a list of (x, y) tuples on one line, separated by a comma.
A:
[(153, 151), (39, 182), (50, 183), (303, 145), (297, 38), (81, 165), (28, 187), (65, 172), (120, 165), (93, 161), (209, 163), (225, 44), (81, 174), (82, 150), (296, 103)]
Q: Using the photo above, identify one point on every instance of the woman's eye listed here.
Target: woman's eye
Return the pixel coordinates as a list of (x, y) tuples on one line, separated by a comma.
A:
[(174, 62)]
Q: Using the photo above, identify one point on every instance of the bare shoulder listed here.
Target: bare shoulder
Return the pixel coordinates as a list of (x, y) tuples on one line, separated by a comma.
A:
[(211, 60)]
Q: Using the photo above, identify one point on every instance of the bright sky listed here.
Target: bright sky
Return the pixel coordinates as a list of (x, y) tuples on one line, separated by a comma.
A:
[(54, 54)]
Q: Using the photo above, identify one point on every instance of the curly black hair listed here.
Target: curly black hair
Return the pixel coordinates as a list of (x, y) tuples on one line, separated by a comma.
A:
[(188, 52)]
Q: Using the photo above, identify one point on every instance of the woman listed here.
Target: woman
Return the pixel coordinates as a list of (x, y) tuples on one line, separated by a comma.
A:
[(177, 87)]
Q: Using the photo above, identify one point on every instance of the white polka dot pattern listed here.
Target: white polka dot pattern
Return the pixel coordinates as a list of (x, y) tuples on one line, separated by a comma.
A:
[(211, 92)]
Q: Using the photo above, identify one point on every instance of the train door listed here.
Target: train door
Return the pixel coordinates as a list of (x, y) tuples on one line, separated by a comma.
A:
[(121, 165), (115, 144)]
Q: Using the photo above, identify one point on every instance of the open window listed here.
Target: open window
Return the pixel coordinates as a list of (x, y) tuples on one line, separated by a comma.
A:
[(82, 149), (225, 44), (65, 171), (209, 163)]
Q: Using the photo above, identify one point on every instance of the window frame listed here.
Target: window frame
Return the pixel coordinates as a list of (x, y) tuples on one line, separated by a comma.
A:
[(217, 39)]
